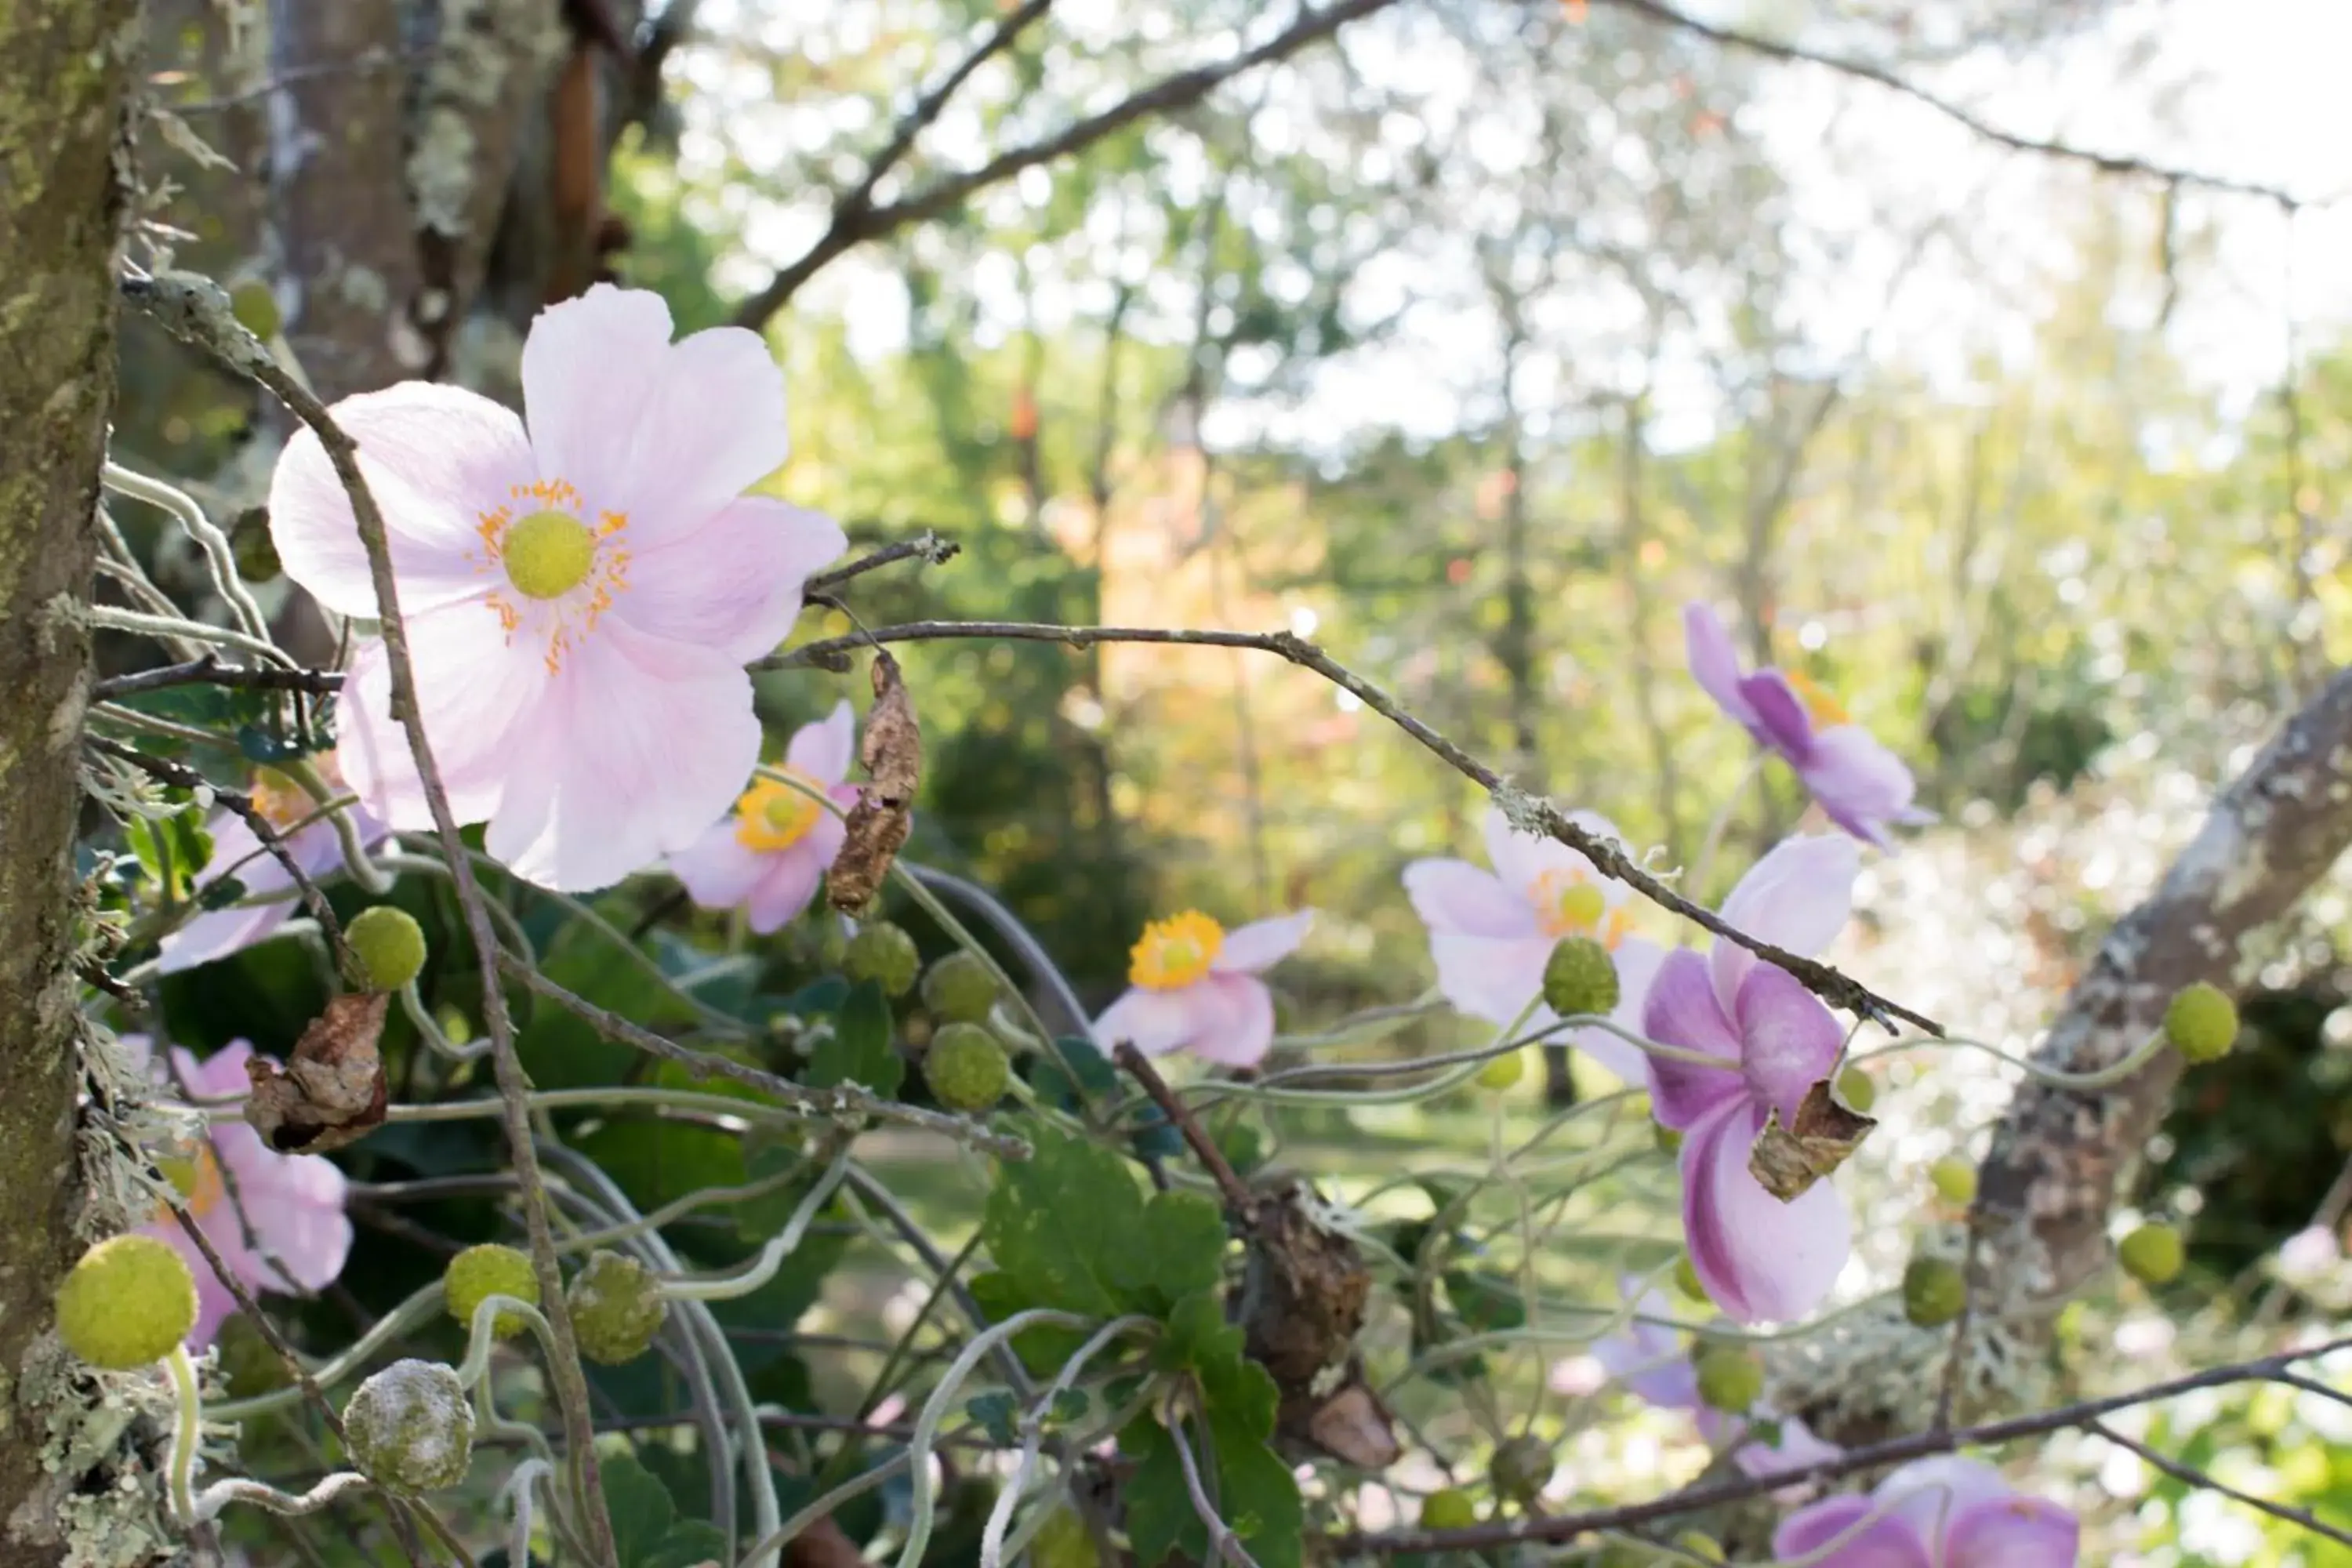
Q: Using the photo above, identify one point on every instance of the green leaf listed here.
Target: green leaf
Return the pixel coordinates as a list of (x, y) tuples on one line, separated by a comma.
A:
[(689, 1543), (1252, 1488), (1071, 1229), (858, 1049), (640, 1506), (1487, 1301), (996, 1414), (221, 894), (1041, 1350)]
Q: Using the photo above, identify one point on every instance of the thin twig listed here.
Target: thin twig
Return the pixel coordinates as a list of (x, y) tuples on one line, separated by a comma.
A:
[(1878, 1455), (1879, 76), (2189, 1476), (210, 671), (1138, 1067), (1526, 812), (241, 806), (852, 227), (197, 310), (933, 550), (844, 1102)]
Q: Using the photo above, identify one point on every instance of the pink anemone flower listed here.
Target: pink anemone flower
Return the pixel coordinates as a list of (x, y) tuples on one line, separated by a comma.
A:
[(1649, 1362), (1759, 1258), (1196, 987), (1860, 783), (276, 1220), (1491, 933), (579, 600), (1944, 1513), (768, 855), (237, 853)]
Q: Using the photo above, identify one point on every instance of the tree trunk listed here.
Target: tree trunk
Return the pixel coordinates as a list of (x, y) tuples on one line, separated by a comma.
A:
[(64, 68)]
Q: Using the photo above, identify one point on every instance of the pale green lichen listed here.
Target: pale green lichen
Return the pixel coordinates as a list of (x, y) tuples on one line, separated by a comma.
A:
[(482, 45), (100, 1502)]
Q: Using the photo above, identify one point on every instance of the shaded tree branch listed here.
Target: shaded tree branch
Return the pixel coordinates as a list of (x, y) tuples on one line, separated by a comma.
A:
[(853, 224), (2189, 1476), (209, 671)]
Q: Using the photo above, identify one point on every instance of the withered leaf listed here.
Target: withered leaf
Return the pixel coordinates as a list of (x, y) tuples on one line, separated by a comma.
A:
[(331, 1092), (1788, 1160), (892, 750), (1354, 1427)]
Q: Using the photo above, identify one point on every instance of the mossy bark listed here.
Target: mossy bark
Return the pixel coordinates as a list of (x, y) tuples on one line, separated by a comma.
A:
[(64, 68)]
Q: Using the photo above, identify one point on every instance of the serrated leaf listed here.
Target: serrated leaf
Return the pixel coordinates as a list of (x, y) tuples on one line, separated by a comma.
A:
[(1255, 1493), (1062, 1223), (1044, 1349), (858, 1049), (1183, 1251), (640, 1506), (996, 1414)]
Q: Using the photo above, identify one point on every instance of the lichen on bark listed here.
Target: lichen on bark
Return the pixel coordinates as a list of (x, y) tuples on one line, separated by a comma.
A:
[(65, 67)]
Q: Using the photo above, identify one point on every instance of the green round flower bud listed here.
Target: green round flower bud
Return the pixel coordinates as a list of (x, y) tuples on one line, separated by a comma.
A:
[(1699, 1544), (2201, 1023), (409, 1427), (1686, 1280), (1579, 977), (881, 952), (1955, 1180), (1521, 1468), (1858, 1089), (2152, 1254), (131, 1300), (958, 988), (388, 945), (966, 1069), (478, 1273), (616, 1307), (1730, 1377), (1934, 1291), (1448, 1509), (254, 548), (1503, 1072), (1064, 1541), (254, 305)]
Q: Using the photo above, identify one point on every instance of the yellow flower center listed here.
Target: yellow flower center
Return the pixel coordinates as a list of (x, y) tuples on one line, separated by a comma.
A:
[(1570, 903), (1820, 701), (1175, 952), (548, 554), (774, 816), (198, 1178), (282, 802)]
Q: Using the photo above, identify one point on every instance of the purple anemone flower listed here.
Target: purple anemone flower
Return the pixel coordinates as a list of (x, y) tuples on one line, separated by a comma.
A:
[(1946, 1512), (1860, 783), (1759, 1258)]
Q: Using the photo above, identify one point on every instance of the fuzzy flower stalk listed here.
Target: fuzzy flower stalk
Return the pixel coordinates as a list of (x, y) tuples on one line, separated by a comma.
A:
[(1766, 1040), (768, 855), (270, 899), (1863, 786), (1195, 987), (275, 1220), (1492, 932), (581, 594)]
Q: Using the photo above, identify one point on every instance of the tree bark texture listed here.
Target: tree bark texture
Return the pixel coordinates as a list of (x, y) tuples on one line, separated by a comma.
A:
[(64, 68)]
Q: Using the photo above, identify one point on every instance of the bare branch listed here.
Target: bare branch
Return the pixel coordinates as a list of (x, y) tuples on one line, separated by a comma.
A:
[(2189, 1476), (852, 225), (1852, 1461), (928, 545), (1879, 76), (1527, 812), (210, 671)]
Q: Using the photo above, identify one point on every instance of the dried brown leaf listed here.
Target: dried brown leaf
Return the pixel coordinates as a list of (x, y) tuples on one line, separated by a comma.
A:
[(1788, 1160), (892, 750), (331, 1092), (1353, 1426)]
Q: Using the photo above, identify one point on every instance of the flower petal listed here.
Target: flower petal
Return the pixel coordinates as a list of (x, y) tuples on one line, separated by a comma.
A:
[(1235, 1024), (481, 699), (1928, 1495), (787, 885), (1781, 721), (1455, 896), (1524, 860), (1715, 662), (1153, 1021), (668, 432), (734, 583), (1681, 1010), (1491, 978), (220, 1076), (1650, 1363), (1861, 785), (1761, 1259), (825, 749), (1879, 1543), (1798, 1450), (435, 458), (293, 1203), (1262, 944), (1798, 897), (2014, 1532), (223, 932), (1789, 1039), (644, 743), (718, 870)]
